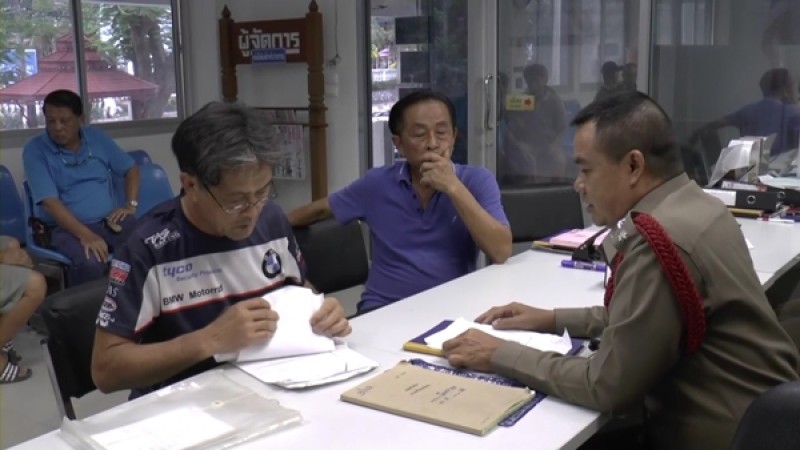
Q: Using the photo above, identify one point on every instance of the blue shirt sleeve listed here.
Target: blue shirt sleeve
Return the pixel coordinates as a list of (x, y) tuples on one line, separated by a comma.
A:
[(118, 161), (483, 186), (350, 203), (37, 171), (739, 118)]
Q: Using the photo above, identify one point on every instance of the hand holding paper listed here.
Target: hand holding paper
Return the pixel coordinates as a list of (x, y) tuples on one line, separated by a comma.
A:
[(516, 316), (329, 320), (243, 324), (540, 341), (293, 335), (472, 349)]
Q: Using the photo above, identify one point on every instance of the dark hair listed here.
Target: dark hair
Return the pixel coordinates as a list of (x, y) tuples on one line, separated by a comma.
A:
[(535, 70), (633, 120), (224, 136), (397, 114), (776, 82), (64, 98)]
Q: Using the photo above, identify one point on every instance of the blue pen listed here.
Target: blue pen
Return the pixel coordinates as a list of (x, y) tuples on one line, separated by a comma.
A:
[(572, 264)]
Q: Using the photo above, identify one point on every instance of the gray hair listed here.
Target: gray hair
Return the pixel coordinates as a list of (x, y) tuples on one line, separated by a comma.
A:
[(224, 136)]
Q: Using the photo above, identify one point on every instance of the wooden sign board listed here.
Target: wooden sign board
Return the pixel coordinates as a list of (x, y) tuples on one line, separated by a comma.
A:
[(289, 35)]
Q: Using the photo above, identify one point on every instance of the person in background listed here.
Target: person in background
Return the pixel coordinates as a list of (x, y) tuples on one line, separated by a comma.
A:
[(188, 283), (686, 330), (533, 145), (629, 74), (612, 85), (22, 290), (427, 216), (776, 113), (69, 169)]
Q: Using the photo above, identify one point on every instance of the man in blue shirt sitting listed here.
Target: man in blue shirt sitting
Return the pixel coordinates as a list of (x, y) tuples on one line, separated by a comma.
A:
[(69, 169), (427, 216)]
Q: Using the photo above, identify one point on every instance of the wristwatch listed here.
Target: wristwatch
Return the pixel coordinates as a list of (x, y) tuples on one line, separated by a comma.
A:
[(133, 203)]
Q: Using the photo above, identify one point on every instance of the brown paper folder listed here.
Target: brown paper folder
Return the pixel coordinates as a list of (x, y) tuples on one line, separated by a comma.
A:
[(440, 398)]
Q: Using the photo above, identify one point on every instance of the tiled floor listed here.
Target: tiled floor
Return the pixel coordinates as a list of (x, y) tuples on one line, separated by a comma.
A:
[(28, 408)]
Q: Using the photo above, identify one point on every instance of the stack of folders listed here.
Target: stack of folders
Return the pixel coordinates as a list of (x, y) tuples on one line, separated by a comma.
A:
[(747, 200), (443, 399), (570, 240)]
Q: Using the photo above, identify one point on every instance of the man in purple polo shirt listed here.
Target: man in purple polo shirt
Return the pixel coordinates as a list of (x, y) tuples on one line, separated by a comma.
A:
[(427, 216)]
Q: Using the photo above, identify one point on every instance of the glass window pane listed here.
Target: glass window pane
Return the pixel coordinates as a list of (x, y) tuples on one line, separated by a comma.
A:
[(540, 44), (36, 57), (130, 67), (734, 73), (416, 45)]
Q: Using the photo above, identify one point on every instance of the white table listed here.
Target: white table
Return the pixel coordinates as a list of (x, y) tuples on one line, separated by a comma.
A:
[(774, 243), (531, 277)]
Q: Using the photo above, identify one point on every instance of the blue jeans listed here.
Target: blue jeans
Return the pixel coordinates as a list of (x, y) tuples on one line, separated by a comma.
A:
[(83, 269)]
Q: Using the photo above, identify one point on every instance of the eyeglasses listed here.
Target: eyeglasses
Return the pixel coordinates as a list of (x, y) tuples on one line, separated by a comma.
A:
[(238, 207), (76, 162)]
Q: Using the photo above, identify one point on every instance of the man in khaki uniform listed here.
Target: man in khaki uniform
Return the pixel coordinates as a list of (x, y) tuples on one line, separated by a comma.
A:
[(696, 359)]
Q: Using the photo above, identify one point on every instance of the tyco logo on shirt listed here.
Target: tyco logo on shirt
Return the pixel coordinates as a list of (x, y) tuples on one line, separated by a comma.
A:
[(174, 271)]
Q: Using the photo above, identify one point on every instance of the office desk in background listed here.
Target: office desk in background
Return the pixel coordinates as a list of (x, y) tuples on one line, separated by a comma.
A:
[(774, 243), (532, 277)]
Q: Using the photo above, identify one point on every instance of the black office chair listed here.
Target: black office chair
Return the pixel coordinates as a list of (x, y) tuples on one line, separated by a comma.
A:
[(69, 316), (541, 211), (771, 421), (335, 255)]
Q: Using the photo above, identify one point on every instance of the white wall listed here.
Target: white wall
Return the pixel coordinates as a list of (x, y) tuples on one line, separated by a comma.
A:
[(286, 85)]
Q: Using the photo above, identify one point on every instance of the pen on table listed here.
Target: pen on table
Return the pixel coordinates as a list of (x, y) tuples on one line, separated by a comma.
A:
[(572, 264)]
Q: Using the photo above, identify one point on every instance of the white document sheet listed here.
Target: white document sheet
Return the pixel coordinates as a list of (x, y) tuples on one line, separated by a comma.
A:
[(310, 370), (178, 429), (293, 337), (541, 341)]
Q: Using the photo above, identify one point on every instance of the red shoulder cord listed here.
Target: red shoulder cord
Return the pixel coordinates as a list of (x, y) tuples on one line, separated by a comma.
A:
[(689, 301)]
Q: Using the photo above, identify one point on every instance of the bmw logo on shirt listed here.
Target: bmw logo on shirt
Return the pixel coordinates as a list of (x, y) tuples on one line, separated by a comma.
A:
[(271, 266)]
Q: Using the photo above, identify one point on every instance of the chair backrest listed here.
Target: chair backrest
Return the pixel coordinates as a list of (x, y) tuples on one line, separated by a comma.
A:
[(541, 211), (771, 421), (335, 254), (12, 212), (38, 253), (154, 188), (69, 316), (140, 156)]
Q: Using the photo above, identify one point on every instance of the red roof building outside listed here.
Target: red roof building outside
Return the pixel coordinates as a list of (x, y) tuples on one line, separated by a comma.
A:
[(57, 71)]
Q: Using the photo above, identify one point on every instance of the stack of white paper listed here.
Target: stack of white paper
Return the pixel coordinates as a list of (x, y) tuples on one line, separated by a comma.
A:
[(541, 341), (294, 336), (310, 370)]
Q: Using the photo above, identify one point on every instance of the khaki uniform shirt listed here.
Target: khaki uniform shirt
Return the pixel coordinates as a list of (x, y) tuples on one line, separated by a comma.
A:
[(691, 401)]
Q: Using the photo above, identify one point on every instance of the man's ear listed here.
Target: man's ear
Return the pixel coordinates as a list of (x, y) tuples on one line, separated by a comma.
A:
[(635, 164), (189, 184), (396, 143)]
